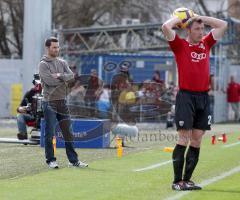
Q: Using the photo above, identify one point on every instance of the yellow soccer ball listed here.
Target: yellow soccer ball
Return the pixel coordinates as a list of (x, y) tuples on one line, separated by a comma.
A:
[(184, 14)]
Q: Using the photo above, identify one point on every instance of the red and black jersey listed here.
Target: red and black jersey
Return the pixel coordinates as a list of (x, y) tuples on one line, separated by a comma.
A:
[(193, 62)]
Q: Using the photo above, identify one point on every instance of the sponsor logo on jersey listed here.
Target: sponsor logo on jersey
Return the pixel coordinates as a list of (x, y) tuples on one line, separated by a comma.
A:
[(196, 57)]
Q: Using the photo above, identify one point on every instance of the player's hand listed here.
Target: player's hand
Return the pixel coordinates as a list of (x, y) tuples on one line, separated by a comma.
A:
[(196, 17)]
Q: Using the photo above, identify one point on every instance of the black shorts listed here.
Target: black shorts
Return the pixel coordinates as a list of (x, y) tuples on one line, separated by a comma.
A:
[(192, 111)]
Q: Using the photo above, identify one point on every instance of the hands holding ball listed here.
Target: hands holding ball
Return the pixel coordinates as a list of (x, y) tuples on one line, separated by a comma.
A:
[(185, 15)]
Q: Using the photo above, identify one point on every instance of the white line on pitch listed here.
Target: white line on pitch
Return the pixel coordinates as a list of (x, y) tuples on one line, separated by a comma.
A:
[(153, 166), (207, 182), (231, 145)]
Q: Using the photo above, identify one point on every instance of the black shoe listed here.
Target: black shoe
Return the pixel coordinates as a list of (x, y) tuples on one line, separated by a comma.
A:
[(179, 186), (191, 185), (22, 136)]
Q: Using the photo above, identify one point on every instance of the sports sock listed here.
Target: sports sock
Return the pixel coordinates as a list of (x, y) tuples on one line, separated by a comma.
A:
[(191, 162), (178, 162)]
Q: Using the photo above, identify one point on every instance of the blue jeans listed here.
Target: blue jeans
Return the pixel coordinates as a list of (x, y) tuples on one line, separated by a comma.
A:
[(58, 110), (22, 118)]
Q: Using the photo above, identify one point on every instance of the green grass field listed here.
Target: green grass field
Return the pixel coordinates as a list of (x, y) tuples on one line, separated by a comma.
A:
[(24, 175)]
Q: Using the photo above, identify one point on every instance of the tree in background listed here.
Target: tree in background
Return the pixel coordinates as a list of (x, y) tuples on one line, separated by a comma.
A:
[(82, 13), (85, 13), (11, 28)]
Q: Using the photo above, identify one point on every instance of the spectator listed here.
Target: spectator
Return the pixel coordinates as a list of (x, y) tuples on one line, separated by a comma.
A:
[(103, 102), (25, 113), (233, 92), (94, 87), (159, 85), (120, 81), (76, 96), (156, 77)]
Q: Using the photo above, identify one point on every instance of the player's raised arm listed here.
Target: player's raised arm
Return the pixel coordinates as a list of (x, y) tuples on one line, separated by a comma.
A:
[(168, 26), (219, 26)]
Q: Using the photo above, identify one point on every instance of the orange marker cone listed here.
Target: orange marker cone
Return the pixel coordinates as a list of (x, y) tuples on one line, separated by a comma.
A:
[(168, 149), (54, 145), (213, 139), (224, 136), (119, 147)]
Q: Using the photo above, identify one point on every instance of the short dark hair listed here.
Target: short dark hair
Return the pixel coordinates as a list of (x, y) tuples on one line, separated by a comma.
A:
[(199, 21), (49, 40)]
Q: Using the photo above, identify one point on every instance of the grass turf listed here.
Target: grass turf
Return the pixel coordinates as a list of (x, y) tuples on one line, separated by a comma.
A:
[(111, 178)]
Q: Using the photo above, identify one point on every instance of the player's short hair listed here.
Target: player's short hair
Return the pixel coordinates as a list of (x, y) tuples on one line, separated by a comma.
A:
[(199, 21), (48, 41)]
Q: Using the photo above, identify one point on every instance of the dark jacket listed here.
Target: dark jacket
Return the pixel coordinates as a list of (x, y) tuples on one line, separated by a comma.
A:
[(28, 98)]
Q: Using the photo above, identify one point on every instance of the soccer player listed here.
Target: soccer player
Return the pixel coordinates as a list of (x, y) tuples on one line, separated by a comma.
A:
[(192, 102)]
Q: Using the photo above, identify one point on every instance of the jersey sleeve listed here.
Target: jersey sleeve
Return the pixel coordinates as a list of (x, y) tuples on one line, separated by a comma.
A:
[(176, 44), (209, 40)]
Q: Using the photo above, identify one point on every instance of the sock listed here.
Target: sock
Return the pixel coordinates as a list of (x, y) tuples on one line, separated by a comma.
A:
[(191, 162), (178, 162)]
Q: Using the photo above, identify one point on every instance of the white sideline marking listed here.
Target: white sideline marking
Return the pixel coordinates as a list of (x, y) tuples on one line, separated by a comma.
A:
[(206, 182), (231, 145), (153, 166)]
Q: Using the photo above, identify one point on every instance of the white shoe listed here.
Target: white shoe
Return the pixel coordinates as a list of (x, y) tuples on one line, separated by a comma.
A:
[(78, 164), (53, 165)]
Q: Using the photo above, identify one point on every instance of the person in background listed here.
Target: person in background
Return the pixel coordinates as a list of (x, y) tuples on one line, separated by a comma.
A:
[(55, 76), (120, 81), (103, 102), (25, 112), (156, 77), (77, 93), (93, 89), (233, 97)]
